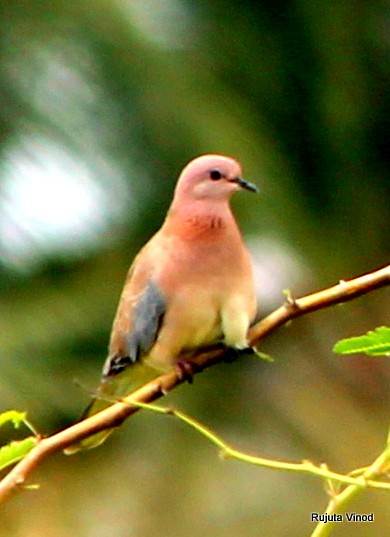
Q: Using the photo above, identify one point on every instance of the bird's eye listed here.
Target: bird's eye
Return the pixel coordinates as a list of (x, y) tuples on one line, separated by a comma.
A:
[(215, 175)]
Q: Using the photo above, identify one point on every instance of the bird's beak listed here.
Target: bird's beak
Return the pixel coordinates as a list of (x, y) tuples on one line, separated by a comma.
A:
[(245, 184)]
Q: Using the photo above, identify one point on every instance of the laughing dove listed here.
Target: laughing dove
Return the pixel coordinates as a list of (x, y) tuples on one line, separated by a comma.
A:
[(189, 287)]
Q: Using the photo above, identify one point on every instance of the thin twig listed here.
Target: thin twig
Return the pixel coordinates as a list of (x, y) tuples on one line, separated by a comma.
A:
[(360, 482), (340, 502)]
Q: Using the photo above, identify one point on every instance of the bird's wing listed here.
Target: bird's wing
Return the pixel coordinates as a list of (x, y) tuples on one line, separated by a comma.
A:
[(137, 323)]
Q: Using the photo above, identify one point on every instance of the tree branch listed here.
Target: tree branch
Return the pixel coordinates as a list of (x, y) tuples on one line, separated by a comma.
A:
[(118, 412)]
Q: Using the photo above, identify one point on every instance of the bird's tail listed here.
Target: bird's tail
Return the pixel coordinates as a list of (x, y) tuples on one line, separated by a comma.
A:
[(110, 391), (96, 439)]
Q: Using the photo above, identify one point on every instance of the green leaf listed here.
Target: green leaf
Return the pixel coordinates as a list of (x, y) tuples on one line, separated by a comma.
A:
[(17, 418), (16, 450), (374, 343), (13, 415)]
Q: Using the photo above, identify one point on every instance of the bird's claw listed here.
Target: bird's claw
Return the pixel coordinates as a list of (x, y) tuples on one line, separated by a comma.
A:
[(186, 370)]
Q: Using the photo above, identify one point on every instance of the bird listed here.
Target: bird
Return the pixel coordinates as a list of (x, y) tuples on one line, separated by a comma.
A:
[(189, 287)]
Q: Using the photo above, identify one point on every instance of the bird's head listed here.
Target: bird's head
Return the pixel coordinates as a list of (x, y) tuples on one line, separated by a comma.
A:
[(211, 177)]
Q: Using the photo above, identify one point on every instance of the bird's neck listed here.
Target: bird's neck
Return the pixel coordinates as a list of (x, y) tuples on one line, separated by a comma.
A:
[(201, 220)]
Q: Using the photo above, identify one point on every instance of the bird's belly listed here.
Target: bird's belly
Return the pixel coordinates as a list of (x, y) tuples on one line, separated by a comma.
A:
[(192, 323), (200, 325)]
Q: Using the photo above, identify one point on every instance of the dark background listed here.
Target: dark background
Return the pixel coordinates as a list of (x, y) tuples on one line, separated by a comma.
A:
[(101, 105)]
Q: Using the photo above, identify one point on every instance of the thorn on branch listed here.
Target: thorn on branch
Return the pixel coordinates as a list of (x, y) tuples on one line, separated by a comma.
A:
[(162, 391), (291, 303)]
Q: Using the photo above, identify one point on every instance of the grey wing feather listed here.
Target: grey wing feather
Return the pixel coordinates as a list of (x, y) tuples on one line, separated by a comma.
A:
[(147, 321), (148, 316)]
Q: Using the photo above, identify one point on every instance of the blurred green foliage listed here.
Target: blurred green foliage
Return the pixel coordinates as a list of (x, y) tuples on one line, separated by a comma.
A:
[(109, 100)]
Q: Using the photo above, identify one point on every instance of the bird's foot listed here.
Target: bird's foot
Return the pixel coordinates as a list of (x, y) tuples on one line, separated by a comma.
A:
[(186, 370)]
